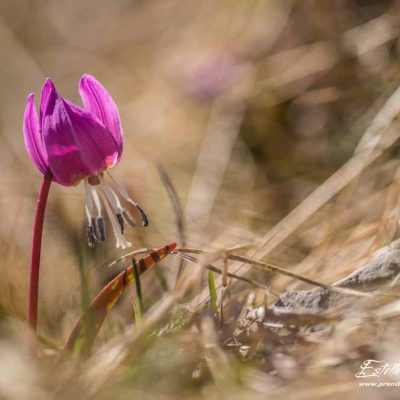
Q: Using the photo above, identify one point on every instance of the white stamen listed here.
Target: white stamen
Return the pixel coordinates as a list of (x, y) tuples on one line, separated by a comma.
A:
[(116, 204), (121, 189), (89, 216), (111, 196), (121, 241), (126, 196), (96, 199), (89, 202), (93, 197)]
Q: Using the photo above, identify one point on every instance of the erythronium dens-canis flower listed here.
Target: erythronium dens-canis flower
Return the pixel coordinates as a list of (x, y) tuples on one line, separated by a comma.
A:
[(76, 144)]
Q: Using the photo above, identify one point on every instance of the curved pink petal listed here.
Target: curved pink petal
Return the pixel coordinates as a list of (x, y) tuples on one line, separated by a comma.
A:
[(92, 137), (47, 87), (32, 137), (98, 101), (77, 144)]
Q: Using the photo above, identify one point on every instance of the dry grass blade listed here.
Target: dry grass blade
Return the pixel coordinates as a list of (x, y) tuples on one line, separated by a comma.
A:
[(263, 266), (231, 275), (181, 250), (273, 268), (177, 207), (128, 255), (176, 204), (107, 297)]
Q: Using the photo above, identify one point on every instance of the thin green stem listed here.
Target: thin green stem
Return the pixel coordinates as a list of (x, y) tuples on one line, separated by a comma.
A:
[(138, 285)]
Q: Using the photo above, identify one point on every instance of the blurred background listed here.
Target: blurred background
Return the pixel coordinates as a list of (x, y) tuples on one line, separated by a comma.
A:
[(248, 105)]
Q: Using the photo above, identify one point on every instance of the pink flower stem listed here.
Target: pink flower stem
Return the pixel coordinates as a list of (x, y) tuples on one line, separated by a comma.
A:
[(36, 249)]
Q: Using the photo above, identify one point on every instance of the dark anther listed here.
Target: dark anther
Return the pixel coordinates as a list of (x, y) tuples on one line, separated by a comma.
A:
[(91, 236), (144, 216), (101, 228), (93, 224), (121, 222)]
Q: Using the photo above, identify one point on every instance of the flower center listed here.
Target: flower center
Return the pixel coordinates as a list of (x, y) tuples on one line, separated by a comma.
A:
[(101, 194)]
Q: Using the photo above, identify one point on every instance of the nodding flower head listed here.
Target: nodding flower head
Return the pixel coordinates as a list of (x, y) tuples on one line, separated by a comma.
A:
[(79, 144)]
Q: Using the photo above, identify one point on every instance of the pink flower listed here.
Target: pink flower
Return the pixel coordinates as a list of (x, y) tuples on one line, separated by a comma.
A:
[(75, 144)]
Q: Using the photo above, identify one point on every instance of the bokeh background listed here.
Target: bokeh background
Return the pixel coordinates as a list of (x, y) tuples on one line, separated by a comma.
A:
[(248, 105)]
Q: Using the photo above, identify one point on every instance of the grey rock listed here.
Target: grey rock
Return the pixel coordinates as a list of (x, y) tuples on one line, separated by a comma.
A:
[(380, 272)]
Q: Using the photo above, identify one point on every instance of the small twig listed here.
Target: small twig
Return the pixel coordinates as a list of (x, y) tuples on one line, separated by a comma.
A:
[(219, 271)]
